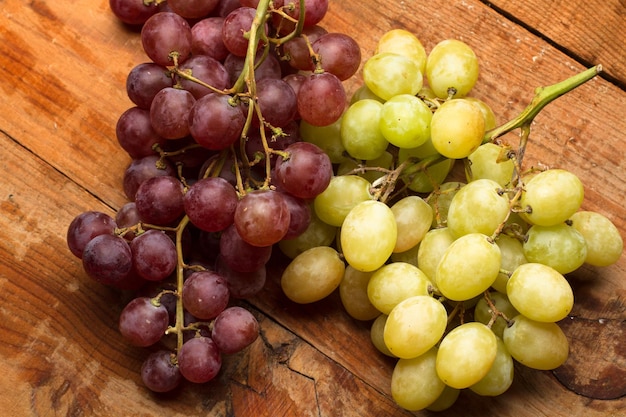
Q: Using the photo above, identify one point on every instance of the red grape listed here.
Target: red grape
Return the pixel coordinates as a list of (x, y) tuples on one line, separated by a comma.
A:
[(143, 323)]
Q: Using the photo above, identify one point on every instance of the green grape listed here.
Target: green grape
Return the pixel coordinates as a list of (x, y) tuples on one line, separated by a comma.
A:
[(477, 208), (363, 93), (408, 256), (423, 151), (312, 275), (466, 354), (489, 162), (446, 400), (413, 218), (368, 235), (468, 267), (452, 64), (553, 195), (353, 294), (360, 130), (427, 180), (488, 114), (457, 128), (414, 382), (540, 293), (348, 167), (340, 196), (405, 43), (395, 282), (535, 344), (317, 233), (512, 254), (405, 121), (500, 375), (414, 326), (327, 138), (388, 74), (383, 161), (431, 250), (560, 246), (483, 313), (440, 200), (377, 335), (604, 243)]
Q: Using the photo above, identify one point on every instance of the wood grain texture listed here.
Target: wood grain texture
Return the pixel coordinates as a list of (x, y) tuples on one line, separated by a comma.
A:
[(64, 66)]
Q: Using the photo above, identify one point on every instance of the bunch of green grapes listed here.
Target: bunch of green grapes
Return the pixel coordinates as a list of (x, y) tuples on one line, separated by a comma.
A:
[(459, 279)]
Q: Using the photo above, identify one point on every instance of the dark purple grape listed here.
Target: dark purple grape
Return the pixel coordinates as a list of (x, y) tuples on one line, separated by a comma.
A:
[(142, 169), (154, 255), (159, 372), (239, 255), (144, 81), (169, 112), (268, 68), (132, 12), (135, 134), (166, 33), (321, 99), (192, 9), (226, 170), (208, 70), (234, 329), (241, 285), (142, 323), (299, 215), (306, 172), (159, 200), (215, 123), (210, 204), (277, 102), (127, 216), (315, 10), (236, 24), (297, 50), (199, 360), (262, 217), (205, 294), (339, 54), (107, 259), (85, 227), (206, 38), (225, 7)]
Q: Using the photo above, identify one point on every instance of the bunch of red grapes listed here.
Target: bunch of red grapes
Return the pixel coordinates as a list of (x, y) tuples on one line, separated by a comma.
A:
[(218, 172)]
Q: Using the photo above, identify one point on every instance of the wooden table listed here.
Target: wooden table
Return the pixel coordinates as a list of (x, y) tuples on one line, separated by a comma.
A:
[(64, 65)]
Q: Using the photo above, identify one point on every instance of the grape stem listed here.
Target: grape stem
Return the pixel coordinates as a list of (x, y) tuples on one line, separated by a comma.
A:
[(495, 313)]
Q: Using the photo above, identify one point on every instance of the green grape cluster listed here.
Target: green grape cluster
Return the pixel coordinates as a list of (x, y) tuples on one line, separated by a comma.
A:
[(460, 279)]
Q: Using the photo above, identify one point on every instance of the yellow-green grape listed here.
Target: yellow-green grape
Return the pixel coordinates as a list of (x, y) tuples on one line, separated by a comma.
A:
[(440, 200), (512, 255), (408, 256), (483, 313), (340, 196), (489, 115), (423, 151), (312, 275), (604, 243), (431, 250), (427, 180), (348, 167), (489, 162), (477, 208), (363, 93), (414, 326), (452, 64), (388, 74), (377, 335), (457, 128), (500, 376), (317, 233), (353, 294), (383, 161), (540, 293), (414, 382), (468, 267), (560, 246), (395, 282), (405, 43), (413, 218), (368, 235), (535, 344), (405, 121), (446, 400), (327, 138), (553, 196), (360, 130), (466, 354)]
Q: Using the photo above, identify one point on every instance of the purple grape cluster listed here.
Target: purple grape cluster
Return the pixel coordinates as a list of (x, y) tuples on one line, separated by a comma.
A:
[(218, 175)]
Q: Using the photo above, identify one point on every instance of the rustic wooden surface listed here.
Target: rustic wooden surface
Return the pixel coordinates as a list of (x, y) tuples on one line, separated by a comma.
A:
[(62, 89)]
